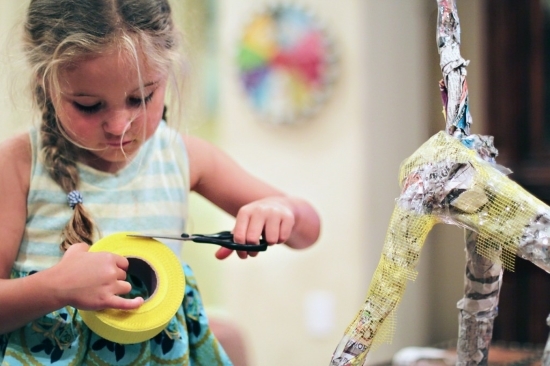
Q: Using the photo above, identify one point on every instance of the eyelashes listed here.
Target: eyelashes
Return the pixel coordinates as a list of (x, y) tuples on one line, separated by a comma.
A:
[(88, 109), (132, 102), (136, 102)]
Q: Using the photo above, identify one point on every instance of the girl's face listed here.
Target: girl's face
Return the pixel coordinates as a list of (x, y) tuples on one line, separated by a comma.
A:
[(101, 107)]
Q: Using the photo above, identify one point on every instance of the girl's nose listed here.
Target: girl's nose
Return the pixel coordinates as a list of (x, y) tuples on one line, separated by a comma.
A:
[(117, 122)]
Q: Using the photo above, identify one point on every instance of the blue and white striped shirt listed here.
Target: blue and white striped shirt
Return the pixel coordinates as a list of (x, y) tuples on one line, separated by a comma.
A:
[(150, 194)]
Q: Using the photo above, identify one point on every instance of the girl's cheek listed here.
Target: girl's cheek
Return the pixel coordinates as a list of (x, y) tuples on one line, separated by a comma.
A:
[(79, 127)]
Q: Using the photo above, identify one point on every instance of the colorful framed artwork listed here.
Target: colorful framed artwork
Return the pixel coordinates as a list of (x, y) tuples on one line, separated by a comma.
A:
[(287, 63)]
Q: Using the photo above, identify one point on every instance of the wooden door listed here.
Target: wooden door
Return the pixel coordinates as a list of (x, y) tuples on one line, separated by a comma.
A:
[(518, 85)]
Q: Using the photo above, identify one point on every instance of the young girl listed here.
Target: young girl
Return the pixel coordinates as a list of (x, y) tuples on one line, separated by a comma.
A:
[(105, 161)]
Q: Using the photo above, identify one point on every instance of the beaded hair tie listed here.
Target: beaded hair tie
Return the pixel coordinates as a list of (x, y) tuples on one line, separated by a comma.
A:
[(74, 198)]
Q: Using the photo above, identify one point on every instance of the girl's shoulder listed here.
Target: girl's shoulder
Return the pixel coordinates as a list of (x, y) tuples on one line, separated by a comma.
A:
[(20, 140), (16, 152), (16, 159), (15, 164)]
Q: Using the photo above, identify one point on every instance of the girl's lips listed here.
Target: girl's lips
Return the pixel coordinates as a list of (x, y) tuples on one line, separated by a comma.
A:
[(118, 143)]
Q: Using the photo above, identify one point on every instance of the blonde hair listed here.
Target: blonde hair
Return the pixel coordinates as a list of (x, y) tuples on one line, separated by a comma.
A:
[(59, 33)]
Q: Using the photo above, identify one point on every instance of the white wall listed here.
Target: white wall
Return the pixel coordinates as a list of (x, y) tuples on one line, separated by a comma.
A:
[(346, 163), (15, 113)]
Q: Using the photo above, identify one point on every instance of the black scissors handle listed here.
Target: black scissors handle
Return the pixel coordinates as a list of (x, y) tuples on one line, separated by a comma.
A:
[(225, 239)]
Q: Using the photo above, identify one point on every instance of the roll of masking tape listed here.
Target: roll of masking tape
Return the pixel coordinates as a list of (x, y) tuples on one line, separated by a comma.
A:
[(160, 270)]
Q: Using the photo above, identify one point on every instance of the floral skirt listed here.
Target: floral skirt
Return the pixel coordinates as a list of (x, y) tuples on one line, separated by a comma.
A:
[(62, 338)]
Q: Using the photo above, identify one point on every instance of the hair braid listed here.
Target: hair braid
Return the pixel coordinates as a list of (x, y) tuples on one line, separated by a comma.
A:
[(60, 161)]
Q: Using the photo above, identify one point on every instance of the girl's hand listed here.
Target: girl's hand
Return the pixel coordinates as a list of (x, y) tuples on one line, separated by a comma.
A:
[(260, 210), (271, 218), (93, 281)]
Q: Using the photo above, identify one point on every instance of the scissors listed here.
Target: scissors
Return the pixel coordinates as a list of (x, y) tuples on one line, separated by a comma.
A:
[(223, 238)]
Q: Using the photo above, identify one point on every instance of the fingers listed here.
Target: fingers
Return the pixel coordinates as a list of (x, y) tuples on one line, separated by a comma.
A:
[(122, 262), (242, 254), (223, 253), (285, 230), (120, 267), (271, 218), (120, 274), (255, 229), (117, 302), (248, 229), (95, 281), (77, 248), (272, 231), (123, 287), (240, 230)]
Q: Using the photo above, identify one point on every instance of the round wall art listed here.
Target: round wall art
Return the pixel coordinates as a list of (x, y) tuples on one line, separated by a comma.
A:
[(287, 63)]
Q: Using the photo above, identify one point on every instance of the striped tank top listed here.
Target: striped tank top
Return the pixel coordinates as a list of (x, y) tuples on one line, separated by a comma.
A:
[(150, 194)]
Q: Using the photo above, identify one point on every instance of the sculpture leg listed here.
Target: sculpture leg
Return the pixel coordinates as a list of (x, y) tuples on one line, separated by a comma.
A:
[(479, 306), (404, 240)]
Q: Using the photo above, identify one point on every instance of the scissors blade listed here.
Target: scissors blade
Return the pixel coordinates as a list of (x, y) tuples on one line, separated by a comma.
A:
[(152, 236), (223, 238)]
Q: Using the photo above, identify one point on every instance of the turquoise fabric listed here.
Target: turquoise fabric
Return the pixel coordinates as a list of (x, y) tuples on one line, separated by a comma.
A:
[(150, 194)]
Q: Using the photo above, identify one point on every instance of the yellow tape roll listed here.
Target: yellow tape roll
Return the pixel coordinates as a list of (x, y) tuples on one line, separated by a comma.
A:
[(167, 282)]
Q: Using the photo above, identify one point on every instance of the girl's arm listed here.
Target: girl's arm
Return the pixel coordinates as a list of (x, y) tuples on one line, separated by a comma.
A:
[(81, 279), (259, 208)]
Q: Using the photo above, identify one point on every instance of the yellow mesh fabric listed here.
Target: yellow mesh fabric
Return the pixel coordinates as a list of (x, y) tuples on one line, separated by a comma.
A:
[(374, 324), (492, 205), (495, 207)]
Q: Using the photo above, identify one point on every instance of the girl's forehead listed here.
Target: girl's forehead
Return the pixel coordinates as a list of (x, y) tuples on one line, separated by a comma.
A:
[(114, 60), (111, 68)]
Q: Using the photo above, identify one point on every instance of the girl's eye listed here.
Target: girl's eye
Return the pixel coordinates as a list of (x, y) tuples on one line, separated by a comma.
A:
[(137, 102), (89, 109)]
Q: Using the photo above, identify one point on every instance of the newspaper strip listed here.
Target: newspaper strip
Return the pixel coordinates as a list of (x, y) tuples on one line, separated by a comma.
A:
[(453, 67)]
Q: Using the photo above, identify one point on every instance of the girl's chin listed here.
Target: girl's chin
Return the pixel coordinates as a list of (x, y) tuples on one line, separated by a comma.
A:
[(108, 160)]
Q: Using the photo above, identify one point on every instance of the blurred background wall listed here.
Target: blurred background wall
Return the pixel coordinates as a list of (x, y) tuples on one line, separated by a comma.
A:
[(345, 161)]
